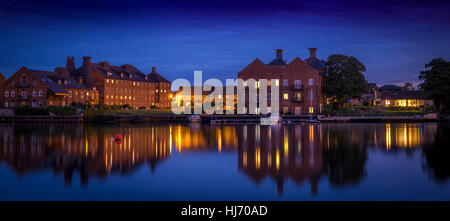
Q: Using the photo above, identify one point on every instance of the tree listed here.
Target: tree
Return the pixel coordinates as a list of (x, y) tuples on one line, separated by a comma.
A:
[(436, 82), (408, 86), (344, 79)]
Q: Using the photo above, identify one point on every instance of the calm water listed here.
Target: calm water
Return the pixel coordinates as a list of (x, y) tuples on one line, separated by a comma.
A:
[(230, 162)]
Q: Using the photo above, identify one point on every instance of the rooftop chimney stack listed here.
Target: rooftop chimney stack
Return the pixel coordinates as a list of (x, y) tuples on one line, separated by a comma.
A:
[(312, 52), (70, 64), (153, 69), (279, 53)]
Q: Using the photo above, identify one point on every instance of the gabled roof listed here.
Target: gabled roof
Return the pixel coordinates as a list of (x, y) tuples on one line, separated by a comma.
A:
[(403, 95), (278, 61), (316, 63), (389, 87), (118, 72), (155, 77), (51, 79)]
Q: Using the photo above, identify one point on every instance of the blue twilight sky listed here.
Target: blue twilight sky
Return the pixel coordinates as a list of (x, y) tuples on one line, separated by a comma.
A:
[(394, 39)]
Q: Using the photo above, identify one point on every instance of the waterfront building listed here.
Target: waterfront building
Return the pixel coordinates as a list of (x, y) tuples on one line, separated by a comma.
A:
[(92, 83), (300, 81), (123, 85), (36, 88), (402, 98)]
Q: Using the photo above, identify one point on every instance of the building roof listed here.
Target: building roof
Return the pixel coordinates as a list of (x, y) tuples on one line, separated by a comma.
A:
[(316, 63), (403, 95), (278, 61), (155, 77), (51, 79), (389, 87)]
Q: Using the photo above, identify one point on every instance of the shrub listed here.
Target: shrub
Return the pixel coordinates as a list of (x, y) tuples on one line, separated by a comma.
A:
[(32, 111), (63, 111)]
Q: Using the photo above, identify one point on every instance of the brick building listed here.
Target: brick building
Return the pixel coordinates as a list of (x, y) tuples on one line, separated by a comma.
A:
[(92, 83), (37, 88), (123, 85), (300, 81)]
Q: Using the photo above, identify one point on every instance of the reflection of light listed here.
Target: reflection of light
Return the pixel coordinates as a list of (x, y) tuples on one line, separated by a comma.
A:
[(277, 159), (87, 146), (219, 138), (170, 139), (311, 133), (258, 158), (286, 145), (388, 136), (179, 139), (269, 160), (244, 159)]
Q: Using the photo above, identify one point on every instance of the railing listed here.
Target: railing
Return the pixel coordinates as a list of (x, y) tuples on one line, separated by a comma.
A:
[(296, 99), (296, 87), (23, 85)]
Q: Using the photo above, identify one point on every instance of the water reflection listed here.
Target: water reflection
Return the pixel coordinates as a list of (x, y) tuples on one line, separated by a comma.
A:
[(300, 153)]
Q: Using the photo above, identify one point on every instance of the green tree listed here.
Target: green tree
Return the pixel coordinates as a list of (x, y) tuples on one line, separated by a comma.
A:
[(344, 79), (408, 86), (436, 82)]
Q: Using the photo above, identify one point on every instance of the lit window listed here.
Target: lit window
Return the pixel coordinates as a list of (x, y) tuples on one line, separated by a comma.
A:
[(107, 80), (285, 96), (277, 82), (311, 110)]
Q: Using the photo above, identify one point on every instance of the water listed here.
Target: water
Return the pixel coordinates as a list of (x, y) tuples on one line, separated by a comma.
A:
[(225, 162)]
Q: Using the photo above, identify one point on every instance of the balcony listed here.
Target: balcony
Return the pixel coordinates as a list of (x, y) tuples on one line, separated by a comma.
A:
[(296, 87), (296, 100), (23, 85)]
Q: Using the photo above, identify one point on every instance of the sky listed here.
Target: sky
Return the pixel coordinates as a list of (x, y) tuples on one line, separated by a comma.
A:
[(394, 39)]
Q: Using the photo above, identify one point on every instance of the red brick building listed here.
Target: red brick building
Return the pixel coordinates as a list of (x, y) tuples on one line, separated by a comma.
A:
[(300, 81), (92, 83), (123, 85), (35, 88)]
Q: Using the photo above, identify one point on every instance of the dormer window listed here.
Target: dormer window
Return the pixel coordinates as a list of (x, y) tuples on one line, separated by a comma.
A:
[(146, 77), (121, 75)]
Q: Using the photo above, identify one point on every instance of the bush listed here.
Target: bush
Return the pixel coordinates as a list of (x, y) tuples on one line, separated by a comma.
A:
[(32, 111), (63, 111)]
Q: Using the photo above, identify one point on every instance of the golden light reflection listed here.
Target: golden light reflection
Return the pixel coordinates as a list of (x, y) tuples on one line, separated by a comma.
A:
[(388, 136), (277, 159), (258, 157)]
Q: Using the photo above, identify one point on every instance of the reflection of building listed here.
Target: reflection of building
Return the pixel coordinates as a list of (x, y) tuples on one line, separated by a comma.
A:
[(281, 152)]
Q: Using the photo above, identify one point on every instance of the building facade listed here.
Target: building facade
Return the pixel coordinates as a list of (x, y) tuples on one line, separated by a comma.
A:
[(92, 83), (300, 81), (123, 85), (35, 88)]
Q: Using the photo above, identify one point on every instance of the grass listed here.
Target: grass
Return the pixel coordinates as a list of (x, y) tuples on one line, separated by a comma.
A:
[(371, 111)]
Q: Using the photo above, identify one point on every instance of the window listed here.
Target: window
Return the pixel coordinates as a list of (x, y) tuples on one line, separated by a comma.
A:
[(311, 110), (107, 80), (285, 96), (33, 104), (311, 82), (6, 104), (34, 93), (13, 93), (40, 104), (298, 96), (41, 93), (269, 96), (65, 82), (285, 82), (311, 95), (6, 93), (23, 93), (51, 103), (70, 93), (277, 82), (297, 84)]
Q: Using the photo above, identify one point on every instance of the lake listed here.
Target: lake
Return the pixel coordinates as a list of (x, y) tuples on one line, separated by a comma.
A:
[(367, 161)]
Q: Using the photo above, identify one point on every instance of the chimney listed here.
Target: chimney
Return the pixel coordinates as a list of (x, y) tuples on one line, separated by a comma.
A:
[(104, 64), (70, 64), (153, 69), (87, 73), (61, 71), (312, 52), (279, 53)]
